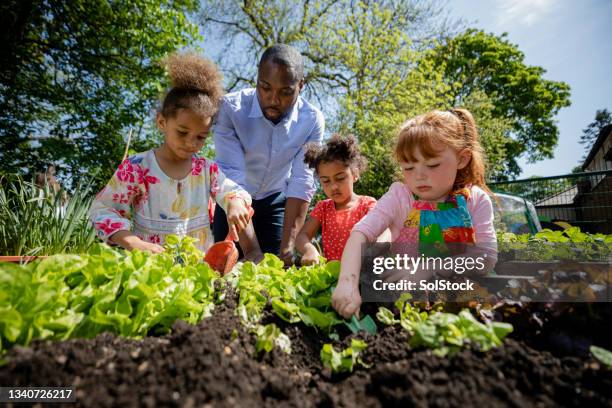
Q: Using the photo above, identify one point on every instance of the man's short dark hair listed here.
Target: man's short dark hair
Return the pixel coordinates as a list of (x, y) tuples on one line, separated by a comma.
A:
[(287, 56)]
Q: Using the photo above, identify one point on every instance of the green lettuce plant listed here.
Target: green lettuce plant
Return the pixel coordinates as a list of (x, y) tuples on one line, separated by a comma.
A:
[(444, 333), (128, 293), (295, 294), (345, 360), (268, 336)]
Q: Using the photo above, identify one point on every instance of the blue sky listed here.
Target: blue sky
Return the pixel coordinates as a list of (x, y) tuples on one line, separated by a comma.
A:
[(572, 40)]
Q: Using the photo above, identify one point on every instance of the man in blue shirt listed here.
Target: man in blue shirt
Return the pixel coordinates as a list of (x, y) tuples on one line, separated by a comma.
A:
[(259, 142)]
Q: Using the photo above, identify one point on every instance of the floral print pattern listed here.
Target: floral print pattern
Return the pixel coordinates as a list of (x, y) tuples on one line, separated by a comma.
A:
[(141, 198)]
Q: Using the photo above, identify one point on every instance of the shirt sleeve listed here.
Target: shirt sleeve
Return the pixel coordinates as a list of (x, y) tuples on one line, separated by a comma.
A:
[(318, 211), (382, 215), (223, 189), (370, 202), (481, 211), (111, 208), (229, 153), (301, 182)]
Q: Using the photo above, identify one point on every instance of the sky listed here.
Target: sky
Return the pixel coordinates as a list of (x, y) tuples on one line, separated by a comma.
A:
[(572, 41)]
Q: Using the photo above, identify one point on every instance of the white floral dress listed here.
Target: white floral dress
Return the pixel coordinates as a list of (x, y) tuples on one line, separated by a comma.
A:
[(141, 198)]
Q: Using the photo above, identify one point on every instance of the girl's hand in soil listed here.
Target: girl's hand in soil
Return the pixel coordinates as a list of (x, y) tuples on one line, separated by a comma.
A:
[(310, 256), (303, 242), (346, 299), (237, 216), (129, 241)]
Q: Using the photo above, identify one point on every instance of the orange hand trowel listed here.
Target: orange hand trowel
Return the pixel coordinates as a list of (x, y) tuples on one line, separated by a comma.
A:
[(223, 255)]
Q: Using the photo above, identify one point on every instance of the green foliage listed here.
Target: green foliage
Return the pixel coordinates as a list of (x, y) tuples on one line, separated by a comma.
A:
[(269, 336), (343, 361), (445, 333), (602, 355), (128, 293), (475, 61), (77, 75), (547, 245), (373, 65), (38, 221), (589, 135), (296, 294)]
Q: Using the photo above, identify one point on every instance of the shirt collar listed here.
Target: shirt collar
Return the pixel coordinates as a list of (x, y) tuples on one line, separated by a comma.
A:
[(255, 108)]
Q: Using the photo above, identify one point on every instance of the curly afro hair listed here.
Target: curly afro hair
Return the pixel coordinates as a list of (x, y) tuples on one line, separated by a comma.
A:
[(338, 148), (195, 85)]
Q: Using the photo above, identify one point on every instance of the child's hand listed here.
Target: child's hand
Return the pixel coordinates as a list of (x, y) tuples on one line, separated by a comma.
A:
[(148, 246), (346, 299), (238, 216), (129, 241), (310, 256)]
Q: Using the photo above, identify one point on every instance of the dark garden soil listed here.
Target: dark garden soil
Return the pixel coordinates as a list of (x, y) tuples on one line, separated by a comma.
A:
[(214, 364)]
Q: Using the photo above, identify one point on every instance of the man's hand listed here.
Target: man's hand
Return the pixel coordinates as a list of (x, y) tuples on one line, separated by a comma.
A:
[(286, 255), (295, 214), (255, 256)]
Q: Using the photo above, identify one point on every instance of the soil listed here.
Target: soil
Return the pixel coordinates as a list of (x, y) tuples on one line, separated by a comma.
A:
[(214, 364)]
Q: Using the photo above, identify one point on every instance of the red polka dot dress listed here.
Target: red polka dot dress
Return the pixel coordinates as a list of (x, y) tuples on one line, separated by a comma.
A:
[(336, 225)]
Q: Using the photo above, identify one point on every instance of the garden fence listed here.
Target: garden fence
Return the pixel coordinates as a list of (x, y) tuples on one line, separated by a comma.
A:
[(581, 199)]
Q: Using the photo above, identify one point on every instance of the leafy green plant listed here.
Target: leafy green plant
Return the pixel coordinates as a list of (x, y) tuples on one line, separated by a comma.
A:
[(37, 221), (128, 293), (602, 355), (445, 333), (549, 245), (269, 336), (295, 294), (345, 360)]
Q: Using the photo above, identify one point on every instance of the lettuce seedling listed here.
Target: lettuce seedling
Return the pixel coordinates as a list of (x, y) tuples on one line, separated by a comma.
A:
[(345, 360), (269, 336)]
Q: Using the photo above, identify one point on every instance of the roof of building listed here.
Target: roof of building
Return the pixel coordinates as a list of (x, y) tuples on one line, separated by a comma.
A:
[(603, 135)]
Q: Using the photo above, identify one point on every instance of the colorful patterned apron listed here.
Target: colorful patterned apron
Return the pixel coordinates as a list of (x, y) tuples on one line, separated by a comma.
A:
[(433, 225)]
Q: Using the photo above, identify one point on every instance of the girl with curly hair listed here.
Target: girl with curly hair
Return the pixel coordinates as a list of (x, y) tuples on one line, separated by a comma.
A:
[(172, 189), (338, 165)]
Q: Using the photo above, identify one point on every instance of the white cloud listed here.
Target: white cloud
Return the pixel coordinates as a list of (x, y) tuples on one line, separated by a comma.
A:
[(523, 12)]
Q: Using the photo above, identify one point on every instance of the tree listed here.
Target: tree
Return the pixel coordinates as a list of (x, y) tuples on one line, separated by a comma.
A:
[(372, 65), (76, 75), (246, 28), (360, 59), (479, 62), (603, 118)]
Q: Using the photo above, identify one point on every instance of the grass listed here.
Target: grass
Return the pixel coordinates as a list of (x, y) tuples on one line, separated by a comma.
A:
[(38, 221)]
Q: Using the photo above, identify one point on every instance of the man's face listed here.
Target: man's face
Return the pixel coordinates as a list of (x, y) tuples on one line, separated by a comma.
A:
[(277, 90)]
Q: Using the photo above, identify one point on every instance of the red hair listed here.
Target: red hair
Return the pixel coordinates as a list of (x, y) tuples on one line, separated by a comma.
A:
[(431, 132)]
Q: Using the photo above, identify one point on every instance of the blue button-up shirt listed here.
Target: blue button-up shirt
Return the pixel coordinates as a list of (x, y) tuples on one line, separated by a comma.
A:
[(264, 158)]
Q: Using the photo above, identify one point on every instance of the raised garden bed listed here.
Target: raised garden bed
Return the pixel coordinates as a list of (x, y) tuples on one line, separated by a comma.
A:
[(20, 259), (214, 362), (227, 356)]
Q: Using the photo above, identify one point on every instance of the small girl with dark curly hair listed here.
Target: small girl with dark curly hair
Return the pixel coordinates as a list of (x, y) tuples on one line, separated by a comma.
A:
[(171, 189), (338, 165)]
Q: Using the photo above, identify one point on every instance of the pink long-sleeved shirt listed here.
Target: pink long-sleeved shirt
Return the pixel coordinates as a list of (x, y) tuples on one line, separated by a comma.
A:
[(393, 208)]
